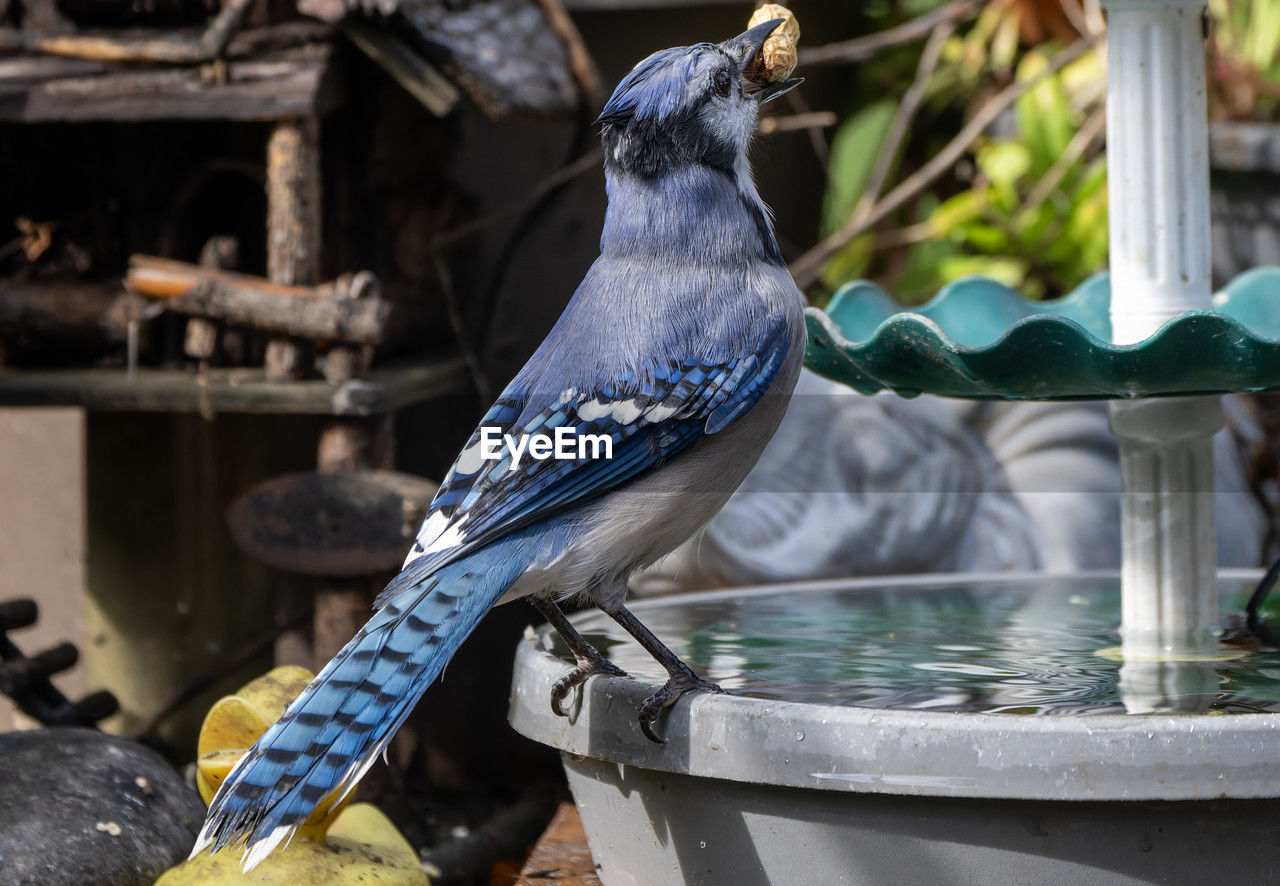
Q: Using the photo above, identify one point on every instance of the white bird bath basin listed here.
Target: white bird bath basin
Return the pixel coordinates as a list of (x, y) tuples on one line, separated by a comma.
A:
[(916, 757)]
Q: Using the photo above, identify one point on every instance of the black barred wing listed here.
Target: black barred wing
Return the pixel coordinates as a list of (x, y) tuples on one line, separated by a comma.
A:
[(647, 419)]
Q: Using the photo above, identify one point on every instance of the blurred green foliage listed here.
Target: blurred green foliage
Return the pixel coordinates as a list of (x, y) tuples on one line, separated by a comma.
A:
[(1035, 217), (1028, 204), (854, 149), (1014, 210), (1244, 72)]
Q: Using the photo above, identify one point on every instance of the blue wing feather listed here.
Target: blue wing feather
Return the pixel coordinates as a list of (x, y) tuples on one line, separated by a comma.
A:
[(676, 404)]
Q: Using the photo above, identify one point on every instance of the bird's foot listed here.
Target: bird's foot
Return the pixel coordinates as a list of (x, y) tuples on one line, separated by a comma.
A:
[(682, 680), (588, 666)]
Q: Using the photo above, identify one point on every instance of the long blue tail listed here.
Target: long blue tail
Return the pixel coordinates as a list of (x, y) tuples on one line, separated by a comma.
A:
[(333, 732)]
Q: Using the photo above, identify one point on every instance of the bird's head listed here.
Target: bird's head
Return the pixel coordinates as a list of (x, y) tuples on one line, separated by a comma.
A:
[(688, 104)]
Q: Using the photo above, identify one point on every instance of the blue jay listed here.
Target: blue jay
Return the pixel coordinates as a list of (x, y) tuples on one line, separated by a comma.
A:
[(680, 347)]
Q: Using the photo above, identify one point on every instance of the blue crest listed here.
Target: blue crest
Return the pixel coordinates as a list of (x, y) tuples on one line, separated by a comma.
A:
[(653, 89)]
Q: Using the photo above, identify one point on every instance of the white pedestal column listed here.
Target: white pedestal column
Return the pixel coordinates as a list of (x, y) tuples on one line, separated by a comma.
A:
[(1158, 168), (1168, 538)]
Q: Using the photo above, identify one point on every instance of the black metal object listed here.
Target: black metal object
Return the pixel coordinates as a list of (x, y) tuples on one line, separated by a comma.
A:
[(1253, 609), (26, 680)]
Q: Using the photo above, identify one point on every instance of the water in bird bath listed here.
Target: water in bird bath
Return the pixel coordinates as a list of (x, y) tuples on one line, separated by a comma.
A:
[(1039, 646)]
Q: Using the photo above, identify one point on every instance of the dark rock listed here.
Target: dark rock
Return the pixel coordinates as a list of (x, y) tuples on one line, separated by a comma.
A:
[(80, 807)]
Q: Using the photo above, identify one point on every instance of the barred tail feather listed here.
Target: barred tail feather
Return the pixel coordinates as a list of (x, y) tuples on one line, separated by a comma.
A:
[(329, 737)]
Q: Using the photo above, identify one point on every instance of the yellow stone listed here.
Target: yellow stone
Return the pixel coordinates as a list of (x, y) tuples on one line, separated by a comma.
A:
[(362, 846), (336, 845)]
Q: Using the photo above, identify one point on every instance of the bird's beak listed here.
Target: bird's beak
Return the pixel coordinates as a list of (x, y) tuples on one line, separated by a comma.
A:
[(744, 47), (770, 91), (748, 43)]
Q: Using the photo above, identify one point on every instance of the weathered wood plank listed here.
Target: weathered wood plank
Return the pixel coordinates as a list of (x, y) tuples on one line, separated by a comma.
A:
[(561, 856), (243, 45), (69, 318), (348, 310), (233, 390), (288, 84), (419, 77), (36, 68), (293, 225)]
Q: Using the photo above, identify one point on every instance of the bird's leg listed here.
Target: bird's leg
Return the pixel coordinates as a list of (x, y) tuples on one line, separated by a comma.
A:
[(682, 678), (590, 661), (1252, 610)]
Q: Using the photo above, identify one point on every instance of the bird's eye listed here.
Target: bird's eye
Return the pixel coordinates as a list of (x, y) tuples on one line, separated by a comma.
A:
[(723, 81)]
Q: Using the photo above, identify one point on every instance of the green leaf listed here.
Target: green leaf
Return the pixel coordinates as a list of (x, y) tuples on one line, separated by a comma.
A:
[(1262, 36), (1045, 119), (1030, 226), (919, 280), (1004, 44), (985, 238), (1004, 162), (854, 150), (1093, 181), (1088, 219), (1012, 272), (850, 263), (954, 212)]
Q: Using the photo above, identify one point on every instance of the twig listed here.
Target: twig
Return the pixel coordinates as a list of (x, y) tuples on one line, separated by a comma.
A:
[(581, 65), (103, 49), (1076, 16), (903, 116), (860, 49), (1088, 133), (217, 36), (821, 150), (916, 233), (794, 122), (484, 390), (349, 310), (806, 268), (174, 50), (564, 174), (1095, 21), (224, 668)]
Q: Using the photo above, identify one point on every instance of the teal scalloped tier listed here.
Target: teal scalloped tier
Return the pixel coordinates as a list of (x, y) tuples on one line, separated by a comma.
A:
[(978, 339)]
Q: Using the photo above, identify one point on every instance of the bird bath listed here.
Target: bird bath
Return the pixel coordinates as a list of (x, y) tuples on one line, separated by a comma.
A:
[(987, 729), (963, 729)]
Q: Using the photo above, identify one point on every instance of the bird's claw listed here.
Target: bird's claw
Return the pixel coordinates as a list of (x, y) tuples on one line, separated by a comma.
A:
[(587, 667), (653, 706)]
